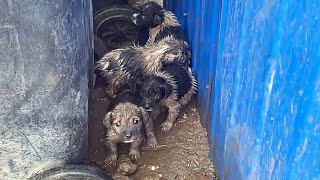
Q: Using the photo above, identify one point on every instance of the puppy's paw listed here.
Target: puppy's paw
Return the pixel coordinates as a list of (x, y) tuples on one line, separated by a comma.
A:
[(152, 142), (166, 126), (134, 154), (111, 159)]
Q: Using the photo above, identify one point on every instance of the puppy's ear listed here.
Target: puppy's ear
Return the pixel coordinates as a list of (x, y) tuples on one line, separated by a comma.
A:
[(157, 20), (166, 90), (107, 121)]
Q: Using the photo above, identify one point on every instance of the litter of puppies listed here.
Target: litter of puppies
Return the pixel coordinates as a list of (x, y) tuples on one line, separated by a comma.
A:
[(144, 80)]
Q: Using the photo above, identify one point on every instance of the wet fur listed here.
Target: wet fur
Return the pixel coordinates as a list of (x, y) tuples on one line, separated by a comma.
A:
[(122, 66), (161, 23), (125, 111), (172, 88), (169, 27)]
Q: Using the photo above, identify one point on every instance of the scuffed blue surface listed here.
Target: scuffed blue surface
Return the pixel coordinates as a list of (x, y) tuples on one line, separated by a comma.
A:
[(258, 67)]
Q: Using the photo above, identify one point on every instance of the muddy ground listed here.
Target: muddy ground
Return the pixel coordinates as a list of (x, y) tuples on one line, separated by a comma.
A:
[(182, 152)]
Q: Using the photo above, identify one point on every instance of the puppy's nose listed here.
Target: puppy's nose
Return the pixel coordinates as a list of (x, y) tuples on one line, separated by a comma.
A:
[(147, 107)]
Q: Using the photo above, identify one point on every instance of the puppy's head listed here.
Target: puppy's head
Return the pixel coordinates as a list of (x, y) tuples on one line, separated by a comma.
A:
[(153, 89), (125, 122), (151, 15)]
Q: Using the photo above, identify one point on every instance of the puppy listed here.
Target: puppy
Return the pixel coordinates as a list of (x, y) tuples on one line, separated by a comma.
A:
[(122, 66), (161, 23), (172, 88), (124, 124), (163, 27)]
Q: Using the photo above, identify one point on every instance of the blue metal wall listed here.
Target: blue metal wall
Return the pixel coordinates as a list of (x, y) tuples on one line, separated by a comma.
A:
[(258, 67)]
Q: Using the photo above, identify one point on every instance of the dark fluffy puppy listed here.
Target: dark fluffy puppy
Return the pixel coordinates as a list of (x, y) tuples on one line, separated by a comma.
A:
[(163, 27), (120, 66), (172, 88), (124, 123), (161, 23)]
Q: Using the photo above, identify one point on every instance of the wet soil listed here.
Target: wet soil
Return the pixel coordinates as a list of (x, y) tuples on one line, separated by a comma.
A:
[(182, 153)]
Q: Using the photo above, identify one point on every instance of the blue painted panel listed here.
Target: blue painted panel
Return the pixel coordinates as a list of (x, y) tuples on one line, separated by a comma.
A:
[(258, 67), (200, 26)]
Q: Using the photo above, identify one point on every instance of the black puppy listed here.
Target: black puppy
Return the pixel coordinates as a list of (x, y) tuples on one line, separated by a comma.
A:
[(172, 88), (162, 23), (163, 27)]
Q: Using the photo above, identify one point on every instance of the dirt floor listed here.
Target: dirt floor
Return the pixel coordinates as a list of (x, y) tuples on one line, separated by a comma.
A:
[(182, 152)]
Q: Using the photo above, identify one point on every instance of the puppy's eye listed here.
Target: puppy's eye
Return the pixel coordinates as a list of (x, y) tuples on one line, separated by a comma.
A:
[(144, 17), (117, 124), (156, 96), (135, 120)]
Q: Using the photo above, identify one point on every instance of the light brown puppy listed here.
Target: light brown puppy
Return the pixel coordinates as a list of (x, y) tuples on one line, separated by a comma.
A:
[(124, 124)]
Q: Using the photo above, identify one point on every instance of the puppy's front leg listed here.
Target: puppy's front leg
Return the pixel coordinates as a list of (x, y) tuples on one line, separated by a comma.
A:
[(134, 151), (113, 156), (173, 113), (151, 138)]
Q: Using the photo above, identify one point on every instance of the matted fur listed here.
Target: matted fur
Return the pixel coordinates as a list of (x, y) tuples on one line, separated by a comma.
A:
[(184, 100), (169, 20), (163, 26), (157, 19), (121, 66), (172, 101), (124, 123)]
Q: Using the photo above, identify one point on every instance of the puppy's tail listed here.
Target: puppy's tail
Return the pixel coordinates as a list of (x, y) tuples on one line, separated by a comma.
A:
[(192, 91)]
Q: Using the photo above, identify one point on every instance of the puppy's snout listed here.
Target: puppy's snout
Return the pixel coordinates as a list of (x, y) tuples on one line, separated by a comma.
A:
[(147, 107), (127, 135)]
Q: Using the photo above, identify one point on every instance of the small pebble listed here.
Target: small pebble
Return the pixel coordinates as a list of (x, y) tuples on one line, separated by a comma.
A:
[(154, 168), (126, 167), (185, 116)]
